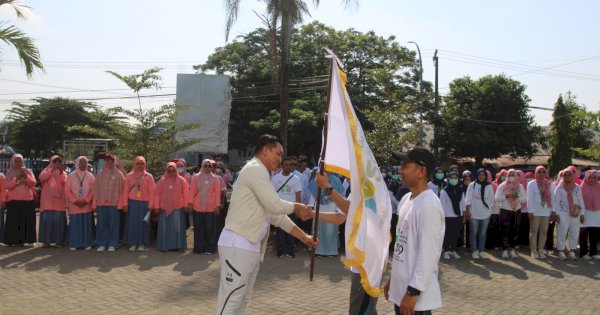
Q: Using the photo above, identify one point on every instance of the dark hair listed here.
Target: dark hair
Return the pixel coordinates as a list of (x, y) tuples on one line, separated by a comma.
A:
[(266, 140), (287, 158)]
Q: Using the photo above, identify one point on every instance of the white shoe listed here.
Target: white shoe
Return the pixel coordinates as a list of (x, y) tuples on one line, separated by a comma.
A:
[(596, 257), (141, 248), (88, 248), (513, 254), (562, 256), (101, 249), (587, 257), (572, 256), (483, 255), (505, 254), (446, 255), (542, 254), (132, 248), (111, 249), (550, 252), (455, 255), (543, 251), (535, 255), (475, 255), (72, 248)]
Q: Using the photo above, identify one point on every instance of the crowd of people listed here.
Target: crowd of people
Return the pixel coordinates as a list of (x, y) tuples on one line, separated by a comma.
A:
[(515, 209), (80, 210)]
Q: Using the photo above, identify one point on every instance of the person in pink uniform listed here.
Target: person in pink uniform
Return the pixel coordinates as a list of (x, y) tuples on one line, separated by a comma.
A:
[(170, 203), (205, 201), (20, 206), (107, 201), (79, 190), (182, 172), (137, 201), (53, 215)]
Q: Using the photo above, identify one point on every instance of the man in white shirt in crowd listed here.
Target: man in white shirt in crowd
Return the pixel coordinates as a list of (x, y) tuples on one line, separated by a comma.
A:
[(303, 179), (254, 206), (414, 287), (288, 187)]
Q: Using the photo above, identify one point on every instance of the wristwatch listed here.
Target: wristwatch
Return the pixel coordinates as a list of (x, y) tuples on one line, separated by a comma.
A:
[(412, 291), (328, 191)]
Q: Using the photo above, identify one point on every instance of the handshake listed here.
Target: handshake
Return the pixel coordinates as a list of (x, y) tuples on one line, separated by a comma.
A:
[(303, 211)]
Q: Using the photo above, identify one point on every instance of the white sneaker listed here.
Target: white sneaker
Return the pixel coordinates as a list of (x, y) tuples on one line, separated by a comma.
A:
[(132, 248), (111, 249), (455, 255), (446, 255), (513, 254), (562, 256), (141, 248), (505, 254), (596, 257), (72, 248), (572, 256), (587, 257), (543, 251), (475, 255), (101, 249), (88, 248), (483, 255), (535, 255), (542, 254), (550, 252)]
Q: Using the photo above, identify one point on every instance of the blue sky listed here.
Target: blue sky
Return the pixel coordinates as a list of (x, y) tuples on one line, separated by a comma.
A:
[(551, 46)]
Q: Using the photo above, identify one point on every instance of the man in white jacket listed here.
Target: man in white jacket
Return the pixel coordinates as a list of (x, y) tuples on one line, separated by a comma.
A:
[(414, 287)]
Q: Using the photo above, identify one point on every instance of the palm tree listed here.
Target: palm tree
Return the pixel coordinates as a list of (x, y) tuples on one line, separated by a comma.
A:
[(290, 12), (28, 52)]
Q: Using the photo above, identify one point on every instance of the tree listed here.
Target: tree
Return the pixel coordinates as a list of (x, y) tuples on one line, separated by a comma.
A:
[(41, 128), (10, 34), (582, 125), (561, 137), (145, 132), (290, 12), (487, 118), (382, 78)]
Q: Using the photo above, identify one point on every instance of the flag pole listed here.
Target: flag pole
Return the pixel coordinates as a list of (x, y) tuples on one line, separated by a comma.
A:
[(321, 170)]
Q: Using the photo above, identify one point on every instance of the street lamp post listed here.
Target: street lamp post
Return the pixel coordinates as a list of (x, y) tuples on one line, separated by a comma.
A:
[(421, 132)]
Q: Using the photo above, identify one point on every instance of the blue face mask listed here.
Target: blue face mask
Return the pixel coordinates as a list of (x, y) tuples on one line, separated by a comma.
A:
[(453, 181), (503, 178), (439, 176)]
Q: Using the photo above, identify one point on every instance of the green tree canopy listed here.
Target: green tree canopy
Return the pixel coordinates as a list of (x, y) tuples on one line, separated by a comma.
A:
[(40, 128), (382, 78), (561, 137), (10, 34), (487, 118)]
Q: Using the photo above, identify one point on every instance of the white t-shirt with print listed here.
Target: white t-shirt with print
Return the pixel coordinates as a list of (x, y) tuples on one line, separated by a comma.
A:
[(288, 191)]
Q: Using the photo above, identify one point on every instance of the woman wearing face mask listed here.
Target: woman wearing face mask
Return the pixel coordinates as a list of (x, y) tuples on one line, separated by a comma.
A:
[(479, 202), (509, 196), (540, 196), (453, 205), (437, 183), (590, 189), (571, 210)]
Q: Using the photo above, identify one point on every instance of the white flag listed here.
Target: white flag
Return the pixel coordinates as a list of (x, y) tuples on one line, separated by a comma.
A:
[(368, 219)]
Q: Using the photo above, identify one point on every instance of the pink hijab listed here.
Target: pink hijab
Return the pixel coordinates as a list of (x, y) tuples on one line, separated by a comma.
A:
[(591, 193), (80, 180), (205, 180), (569, 188), (575, 172), (12, 172), (544, 185), (138, 174), (54, 185), (171, 191), (512, 188), (108, 185)]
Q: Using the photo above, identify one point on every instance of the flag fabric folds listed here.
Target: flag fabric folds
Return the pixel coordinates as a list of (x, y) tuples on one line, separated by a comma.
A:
[(347, 153)]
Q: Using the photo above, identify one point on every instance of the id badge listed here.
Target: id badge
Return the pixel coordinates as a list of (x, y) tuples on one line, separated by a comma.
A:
[(138, 194), (80, 192)]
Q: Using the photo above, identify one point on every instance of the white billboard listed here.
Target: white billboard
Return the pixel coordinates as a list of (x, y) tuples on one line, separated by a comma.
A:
[(208, 101)]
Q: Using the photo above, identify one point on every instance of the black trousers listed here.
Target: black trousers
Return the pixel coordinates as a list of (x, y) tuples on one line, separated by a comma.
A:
[(19, 227), (591, 235), (205, 232), (509, 226), (397, 311)]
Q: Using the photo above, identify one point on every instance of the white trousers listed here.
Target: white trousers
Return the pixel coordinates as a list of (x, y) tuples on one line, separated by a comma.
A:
[(239, 269), (571, 225)]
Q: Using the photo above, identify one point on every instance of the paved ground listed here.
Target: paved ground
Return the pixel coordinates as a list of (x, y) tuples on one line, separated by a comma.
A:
[(53, 281)]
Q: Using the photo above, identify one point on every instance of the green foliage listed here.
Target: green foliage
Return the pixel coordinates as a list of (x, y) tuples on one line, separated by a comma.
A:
[(40, 128), (487, 118), (382, 80), (583, 123), (10, 34), (561, 137)]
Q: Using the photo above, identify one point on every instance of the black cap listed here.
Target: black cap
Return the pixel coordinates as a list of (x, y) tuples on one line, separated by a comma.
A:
[(418, 155)]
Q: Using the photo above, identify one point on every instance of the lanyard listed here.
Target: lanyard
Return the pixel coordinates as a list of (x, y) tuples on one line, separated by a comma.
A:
[(81, 180)]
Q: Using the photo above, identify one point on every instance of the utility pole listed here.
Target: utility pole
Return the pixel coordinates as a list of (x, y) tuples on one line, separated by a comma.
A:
[(437, 109), (421, 132)]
